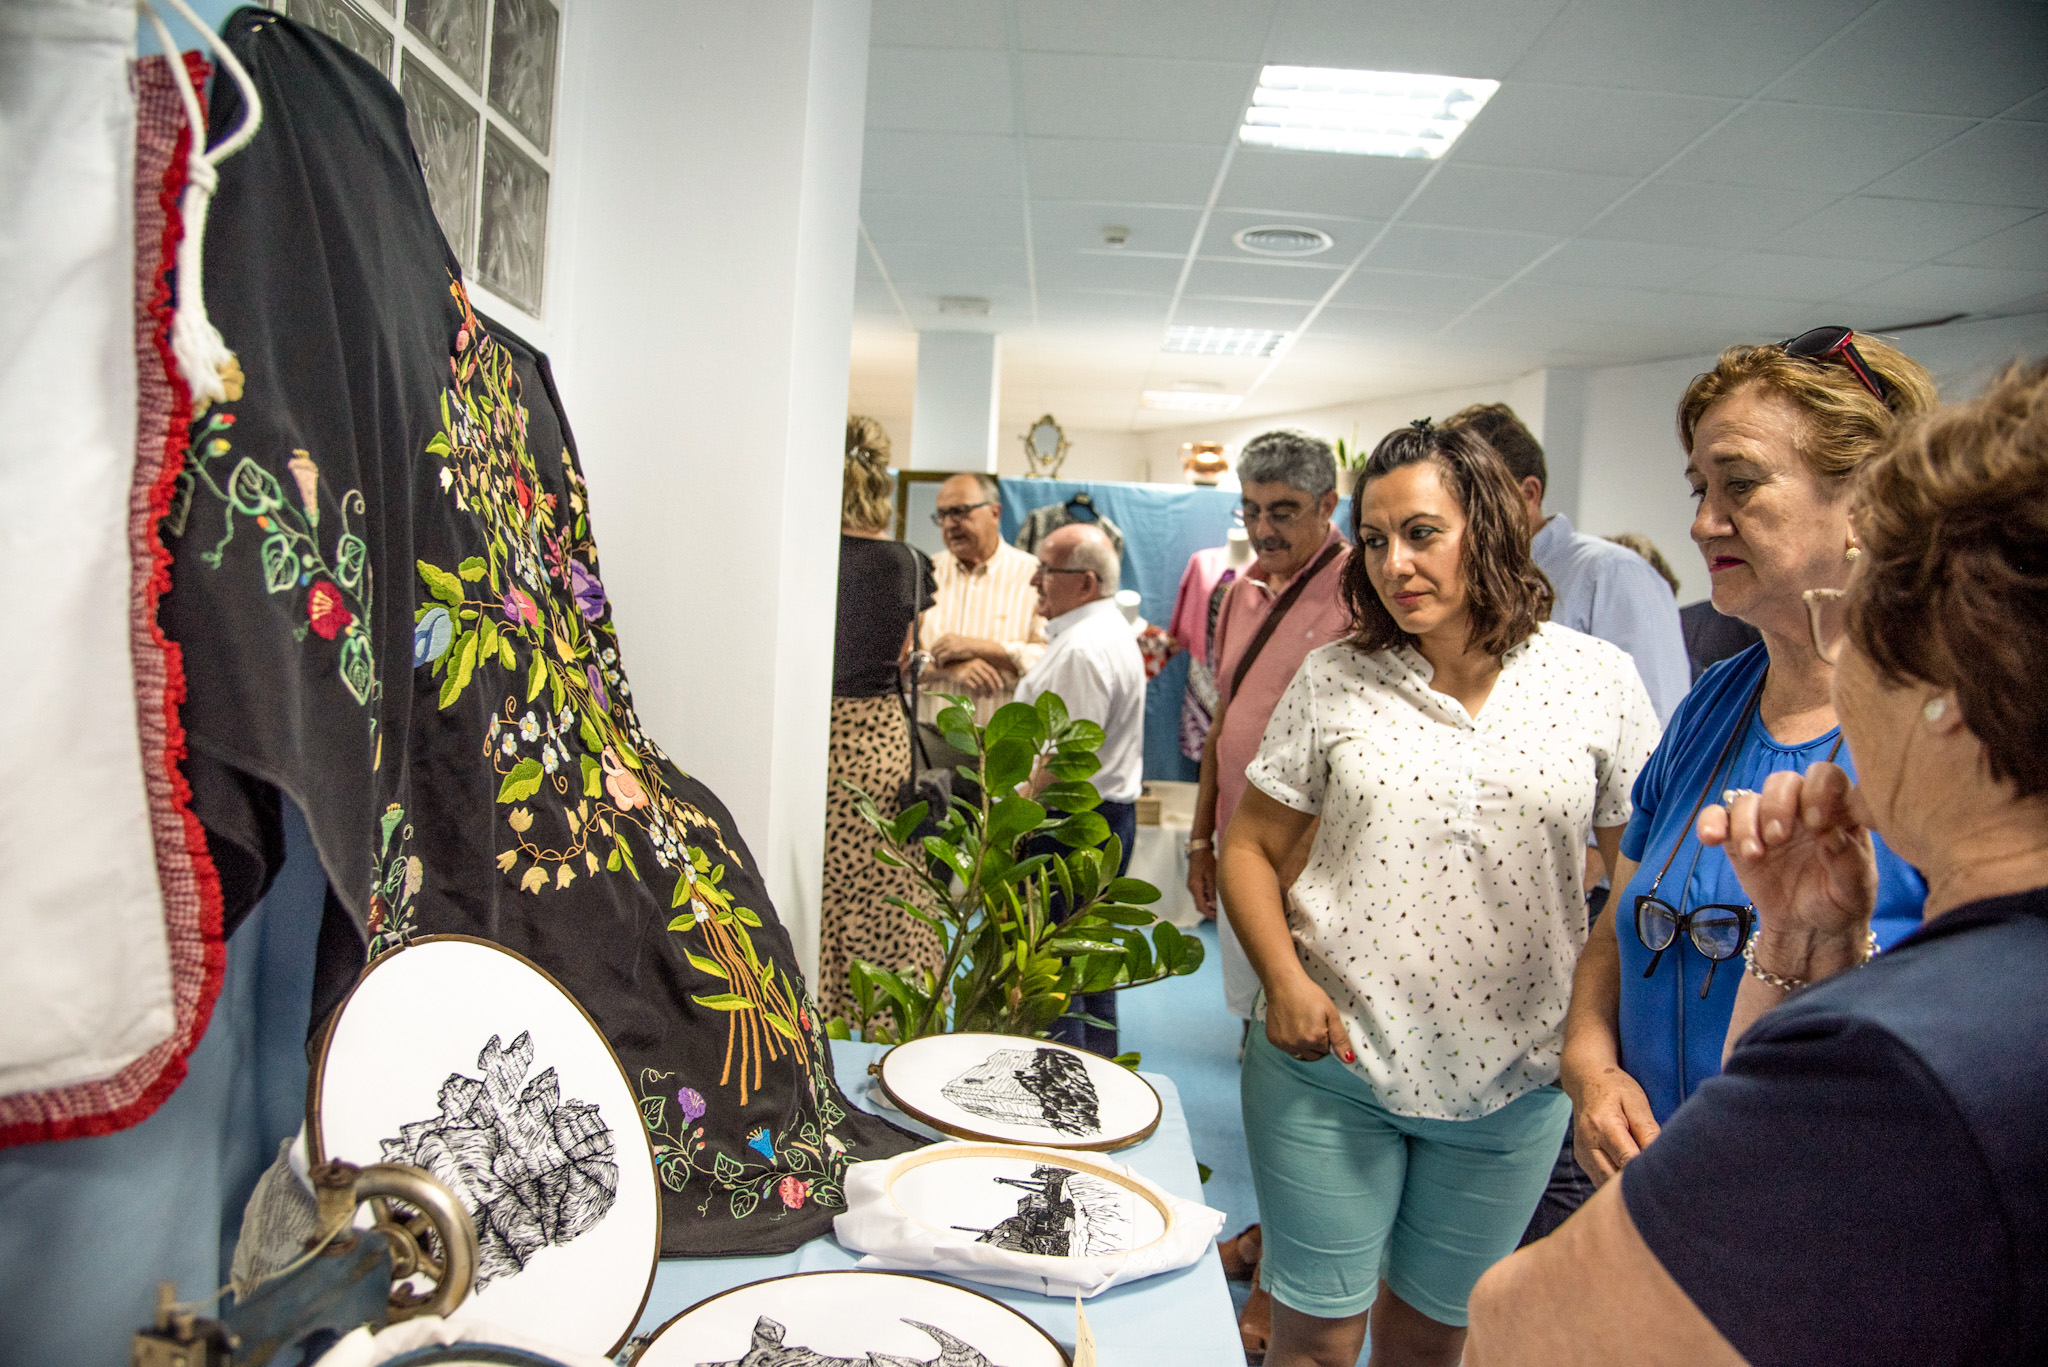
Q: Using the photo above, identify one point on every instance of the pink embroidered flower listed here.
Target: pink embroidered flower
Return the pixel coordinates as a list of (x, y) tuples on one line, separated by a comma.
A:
[(520, 607), (325, 612), (620, 783), (793, 1191)]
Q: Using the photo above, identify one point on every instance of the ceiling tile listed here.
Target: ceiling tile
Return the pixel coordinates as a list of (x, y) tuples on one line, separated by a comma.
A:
[(1727, 319), (1148, 99), (1060, 308), (1524, 201), (2034, 110), (1727, 47), (938, 23), (1931, 291), (939, 164), (1458, 251), (1440, 294), (1142, 172), (1347, 236), (1995, 163), (944, 219), (1582, 128), (1764, 275), (1319, 182), (1643, 265), (2023, 246), (1371, 324), (1931, 56), (940, 91), (872, 300), (1101, 269), (1480, 38), (1239, 313), (1698, 215), (1805, 147), (947, 269), (1072, 224), (1897, 229), (1260, 280), (1214, 30)]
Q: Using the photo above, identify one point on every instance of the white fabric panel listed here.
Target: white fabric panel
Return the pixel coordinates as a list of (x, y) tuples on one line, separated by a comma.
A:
[(86, 976)]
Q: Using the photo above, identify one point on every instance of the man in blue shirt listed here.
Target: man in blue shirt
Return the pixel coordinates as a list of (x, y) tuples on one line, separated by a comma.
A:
[(1603, 589)]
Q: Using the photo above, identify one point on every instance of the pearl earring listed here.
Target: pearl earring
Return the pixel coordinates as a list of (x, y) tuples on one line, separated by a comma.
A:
[(1854, 552), (1936, 709)]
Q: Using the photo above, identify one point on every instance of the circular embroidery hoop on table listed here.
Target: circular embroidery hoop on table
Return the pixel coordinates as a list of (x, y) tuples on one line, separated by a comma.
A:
[(460, 1057), (833, 1317), (1042, 1202), (1013, 1090)]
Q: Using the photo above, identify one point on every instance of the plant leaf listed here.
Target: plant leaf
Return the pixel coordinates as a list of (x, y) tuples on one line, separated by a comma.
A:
[(472, 569), (536, 675), (1015, 721), (522, 783), (1007, 763), (724, 1001), (1053, 709), (441, 584), (1073, 766), (704, 965), (1082, 830), (1132, 890)]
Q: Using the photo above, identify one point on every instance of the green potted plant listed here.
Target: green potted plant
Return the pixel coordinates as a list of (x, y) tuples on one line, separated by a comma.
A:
[(1010, 966), (1351, 458)]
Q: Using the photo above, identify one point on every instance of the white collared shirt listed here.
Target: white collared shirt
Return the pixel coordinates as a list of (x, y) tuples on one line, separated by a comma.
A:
[(1443, 906), (1092, 661), (994, 601)]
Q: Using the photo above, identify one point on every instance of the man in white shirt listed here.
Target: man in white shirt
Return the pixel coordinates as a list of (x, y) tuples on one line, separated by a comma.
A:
[(1091, 660), (982, 629)]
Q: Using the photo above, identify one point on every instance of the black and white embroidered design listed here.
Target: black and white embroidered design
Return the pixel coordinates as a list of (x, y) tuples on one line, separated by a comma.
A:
[(768, 1351), (1062, 1214), (1048, 1088), (533, 1169)]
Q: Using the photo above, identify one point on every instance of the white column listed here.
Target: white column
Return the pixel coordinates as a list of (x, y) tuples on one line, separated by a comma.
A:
[(953, 418), (701, 306)]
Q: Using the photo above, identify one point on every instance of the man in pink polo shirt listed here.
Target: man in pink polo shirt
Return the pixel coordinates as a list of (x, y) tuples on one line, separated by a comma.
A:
[(1290, 492)]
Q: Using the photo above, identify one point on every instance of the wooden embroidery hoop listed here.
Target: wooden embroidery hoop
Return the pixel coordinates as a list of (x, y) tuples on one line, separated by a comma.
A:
[(316, 1140), (880, 1070), (1075, 1160), (654, 1339)]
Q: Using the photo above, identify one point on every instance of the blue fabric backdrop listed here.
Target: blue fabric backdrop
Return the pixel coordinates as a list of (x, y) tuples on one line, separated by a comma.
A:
[(1163, 525)]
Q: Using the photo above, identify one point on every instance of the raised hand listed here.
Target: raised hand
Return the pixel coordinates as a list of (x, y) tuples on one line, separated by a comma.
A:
[(1801, 855)]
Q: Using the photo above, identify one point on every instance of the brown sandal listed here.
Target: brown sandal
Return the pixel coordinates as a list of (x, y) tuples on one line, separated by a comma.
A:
[(1255, 1325), (1241, 1254)]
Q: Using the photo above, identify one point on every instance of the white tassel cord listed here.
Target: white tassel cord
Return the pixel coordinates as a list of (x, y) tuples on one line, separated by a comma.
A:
[(203, 357)]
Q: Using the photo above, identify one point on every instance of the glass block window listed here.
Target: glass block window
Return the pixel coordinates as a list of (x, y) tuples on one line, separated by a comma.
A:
[(478, 78)]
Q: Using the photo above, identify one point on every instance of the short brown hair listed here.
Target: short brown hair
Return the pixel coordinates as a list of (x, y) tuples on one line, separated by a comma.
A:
[(1953, 588), (1842, 423), (1499, 428), (1508, 595), (867, 491), (1647, 549)]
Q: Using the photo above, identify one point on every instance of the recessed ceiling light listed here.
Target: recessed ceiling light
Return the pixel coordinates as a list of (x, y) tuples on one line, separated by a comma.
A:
[(1279, 240), (965, 305), (1224, 341), (1368, 113), (1191, 401)]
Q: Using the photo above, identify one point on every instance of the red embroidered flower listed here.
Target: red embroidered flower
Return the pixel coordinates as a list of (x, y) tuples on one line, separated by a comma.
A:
[(377, 910), (524, 494), (793, 1191), (325, 611)]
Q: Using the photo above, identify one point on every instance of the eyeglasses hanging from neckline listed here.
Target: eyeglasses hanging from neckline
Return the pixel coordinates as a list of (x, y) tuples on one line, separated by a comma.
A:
[(1836, 343)]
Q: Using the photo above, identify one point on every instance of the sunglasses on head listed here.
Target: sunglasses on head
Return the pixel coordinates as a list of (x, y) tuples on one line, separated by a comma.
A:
[(1838, 344)]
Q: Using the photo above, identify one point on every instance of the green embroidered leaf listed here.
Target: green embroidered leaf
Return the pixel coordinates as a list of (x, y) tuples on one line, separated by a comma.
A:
[(464, 657), (611, 864), (358, 667), (724, 1001), (253, 490), (389, 822), (522, 783), (505, 657), (779, 1025), (472, 569), (727, 1169), (743, 1203), (536, 675), (593, 777), (747, 918), (626, 853), (558, 693), (593, 739), (651, 1108), (486, 640), (349, 555), (437, 445), (441, 584), (704, 965), (280, 563)]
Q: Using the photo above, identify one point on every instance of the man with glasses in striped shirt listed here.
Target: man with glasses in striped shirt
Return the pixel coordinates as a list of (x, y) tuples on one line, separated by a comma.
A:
[(983, 629)]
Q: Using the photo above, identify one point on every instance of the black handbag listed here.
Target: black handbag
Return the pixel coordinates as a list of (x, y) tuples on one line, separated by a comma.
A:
[(929, 784)]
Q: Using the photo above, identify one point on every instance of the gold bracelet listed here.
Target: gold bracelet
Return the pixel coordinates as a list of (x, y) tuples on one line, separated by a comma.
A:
[(1784, 984), (1200, 843)]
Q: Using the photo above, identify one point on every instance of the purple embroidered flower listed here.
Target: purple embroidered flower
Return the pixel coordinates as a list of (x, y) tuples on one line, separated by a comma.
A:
[(597, 687), (588, 591), (519, 607), (692, 1102)]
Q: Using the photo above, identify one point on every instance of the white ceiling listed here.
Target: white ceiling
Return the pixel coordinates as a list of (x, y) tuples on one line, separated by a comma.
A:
[(1654, 178)]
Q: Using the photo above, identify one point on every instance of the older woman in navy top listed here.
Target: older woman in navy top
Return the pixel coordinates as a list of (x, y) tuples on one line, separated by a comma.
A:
[(1773, 435)]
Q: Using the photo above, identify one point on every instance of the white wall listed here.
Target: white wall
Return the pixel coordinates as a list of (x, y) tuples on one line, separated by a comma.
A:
[(700, 306)]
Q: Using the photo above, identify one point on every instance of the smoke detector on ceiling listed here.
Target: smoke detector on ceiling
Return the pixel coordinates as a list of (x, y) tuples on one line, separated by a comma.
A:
[(965, 305), (1115, 235), (1275, 239)]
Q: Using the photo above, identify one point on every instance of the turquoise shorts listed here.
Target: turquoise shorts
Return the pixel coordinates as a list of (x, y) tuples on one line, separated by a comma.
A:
[(1350, 1193)]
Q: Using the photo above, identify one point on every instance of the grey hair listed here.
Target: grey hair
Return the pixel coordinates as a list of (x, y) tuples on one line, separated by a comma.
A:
[(1092, 551), (1288, 457), (991, 491)]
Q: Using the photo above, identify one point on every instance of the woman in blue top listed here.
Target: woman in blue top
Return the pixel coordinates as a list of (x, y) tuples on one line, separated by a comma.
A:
[(1772, 435)]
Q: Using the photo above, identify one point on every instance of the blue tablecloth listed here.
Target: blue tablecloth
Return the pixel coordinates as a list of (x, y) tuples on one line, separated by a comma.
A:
[(1182, 1317)]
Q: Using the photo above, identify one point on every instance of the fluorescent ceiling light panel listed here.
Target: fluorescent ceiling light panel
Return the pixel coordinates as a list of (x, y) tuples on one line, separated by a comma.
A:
[(1224, 341), (1191, 401), (1367, 113)]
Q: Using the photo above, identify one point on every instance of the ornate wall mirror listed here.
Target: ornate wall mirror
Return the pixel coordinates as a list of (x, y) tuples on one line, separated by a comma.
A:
[(1045, 447)]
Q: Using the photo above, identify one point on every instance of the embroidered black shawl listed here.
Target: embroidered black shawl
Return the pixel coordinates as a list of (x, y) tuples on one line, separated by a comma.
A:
[(392, 610)]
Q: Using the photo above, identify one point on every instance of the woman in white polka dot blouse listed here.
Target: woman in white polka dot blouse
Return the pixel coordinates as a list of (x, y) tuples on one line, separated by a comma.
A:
[(1401, 1104)]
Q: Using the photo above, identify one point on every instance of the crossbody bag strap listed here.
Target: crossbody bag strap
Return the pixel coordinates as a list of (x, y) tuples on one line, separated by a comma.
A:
[(916, 649), (1280, 610)]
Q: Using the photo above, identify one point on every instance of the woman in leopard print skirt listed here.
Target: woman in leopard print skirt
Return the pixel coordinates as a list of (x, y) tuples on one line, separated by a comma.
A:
[(883, 584)]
